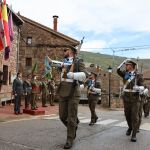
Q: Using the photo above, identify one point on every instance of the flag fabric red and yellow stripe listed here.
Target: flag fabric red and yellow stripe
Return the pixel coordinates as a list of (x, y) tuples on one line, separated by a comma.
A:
[(5, 22), (1, 31)]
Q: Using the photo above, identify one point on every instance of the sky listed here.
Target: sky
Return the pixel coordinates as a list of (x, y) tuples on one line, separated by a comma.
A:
[(114, 27)]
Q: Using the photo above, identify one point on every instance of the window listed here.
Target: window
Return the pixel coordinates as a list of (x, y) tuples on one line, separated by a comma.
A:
[(5, 74), (29, 40), (28, 62), (10, 82)]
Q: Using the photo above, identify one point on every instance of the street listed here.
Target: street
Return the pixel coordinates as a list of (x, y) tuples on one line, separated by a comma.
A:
[(48, 133)]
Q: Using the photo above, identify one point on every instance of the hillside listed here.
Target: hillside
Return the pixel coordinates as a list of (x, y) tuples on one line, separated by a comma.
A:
[(105, 60)]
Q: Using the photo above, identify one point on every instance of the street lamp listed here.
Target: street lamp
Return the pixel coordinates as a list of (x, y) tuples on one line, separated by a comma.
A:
[(109, 71)]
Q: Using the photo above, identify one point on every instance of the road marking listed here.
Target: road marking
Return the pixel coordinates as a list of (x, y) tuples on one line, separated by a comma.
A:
[(106, 122), (85, 120), (122, 124), (145, 126), (81, 117), (51, 117)]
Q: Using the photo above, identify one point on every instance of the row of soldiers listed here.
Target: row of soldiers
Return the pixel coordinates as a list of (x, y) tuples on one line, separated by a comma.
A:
[(32, 88)]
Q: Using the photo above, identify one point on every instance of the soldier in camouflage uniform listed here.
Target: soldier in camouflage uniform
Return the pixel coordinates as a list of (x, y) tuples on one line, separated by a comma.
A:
[(44, 91), (35, 91), (133, 86), (51, 88), (146, 103), (93, 94), (27, 90), (69, 92)]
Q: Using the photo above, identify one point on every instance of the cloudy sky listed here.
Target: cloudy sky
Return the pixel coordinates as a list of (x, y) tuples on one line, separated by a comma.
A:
[(119, 27)]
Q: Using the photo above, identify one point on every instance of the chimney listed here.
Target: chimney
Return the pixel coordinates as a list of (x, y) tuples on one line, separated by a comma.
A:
[(55, 22)]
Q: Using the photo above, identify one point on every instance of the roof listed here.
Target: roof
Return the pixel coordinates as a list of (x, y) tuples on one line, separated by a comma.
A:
[(73, 41), (16, 18)]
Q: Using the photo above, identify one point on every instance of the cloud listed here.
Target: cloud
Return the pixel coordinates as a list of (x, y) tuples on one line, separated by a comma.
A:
[(109, 23), (94, 45)]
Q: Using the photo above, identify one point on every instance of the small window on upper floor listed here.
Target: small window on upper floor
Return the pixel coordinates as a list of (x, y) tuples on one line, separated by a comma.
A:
[(5, 74), (29, 40), (28, 62)]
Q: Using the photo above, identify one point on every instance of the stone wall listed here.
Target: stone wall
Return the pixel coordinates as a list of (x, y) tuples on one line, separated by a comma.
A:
[(6, 90), (115, 87), (43, 42)]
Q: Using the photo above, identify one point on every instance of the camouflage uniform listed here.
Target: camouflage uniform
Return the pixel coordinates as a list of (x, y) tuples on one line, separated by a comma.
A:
[(132, 101), (44, 91), (27, 89), (35, 91), (69, 92)]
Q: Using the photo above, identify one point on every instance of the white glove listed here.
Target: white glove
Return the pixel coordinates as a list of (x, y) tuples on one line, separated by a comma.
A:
[(80, 76), (97, 90), (81, 86), (145, 92), (136, 88), (70, 75)]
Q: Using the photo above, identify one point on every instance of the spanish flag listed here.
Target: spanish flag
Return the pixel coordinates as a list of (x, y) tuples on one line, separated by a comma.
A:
[(5, 22), (6, 30), (1, 30)]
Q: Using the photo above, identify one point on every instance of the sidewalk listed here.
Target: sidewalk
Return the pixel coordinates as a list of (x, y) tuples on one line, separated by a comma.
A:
[(7, 113)]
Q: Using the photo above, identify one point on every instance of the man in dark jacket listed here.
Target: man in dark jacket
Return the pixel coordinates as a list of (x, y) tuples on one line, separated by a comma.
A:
[(133, 86), (17, 92)]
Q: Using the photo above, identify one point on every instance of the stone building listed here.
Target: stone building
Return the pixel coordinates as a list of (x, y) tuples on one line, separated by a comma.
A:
[(146, 76), (37, 41), (8, 68)]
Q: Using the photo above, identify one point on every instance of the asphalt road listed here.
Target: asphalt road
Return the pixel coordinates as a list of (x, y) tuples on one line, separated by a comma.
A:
[(48, 133)]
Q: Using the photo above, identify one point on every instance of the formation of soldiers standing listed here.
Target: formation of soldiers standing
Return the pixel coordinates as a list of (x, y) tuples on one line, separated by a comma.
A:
[(32, 88)]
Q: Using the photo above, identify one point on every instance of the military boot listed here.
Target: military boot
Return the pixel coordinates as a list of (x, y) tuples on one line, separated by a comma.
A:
[(128, 132), (68, 145), (133, 138)]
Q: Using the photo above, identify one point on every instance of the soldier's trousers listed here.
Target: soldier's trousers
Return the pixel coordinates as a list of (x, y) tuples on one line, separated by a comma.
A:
[(92, 100), (146, 108), (132, 110), (34, 98), (27, 100), (17, 100), (140, 113), (44, 98), (68, 109)]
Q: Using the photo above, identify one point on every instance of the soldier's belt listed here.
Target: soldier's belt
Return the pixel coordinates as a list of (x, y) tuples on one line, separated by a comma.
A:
[(129, 90), (67, 80)]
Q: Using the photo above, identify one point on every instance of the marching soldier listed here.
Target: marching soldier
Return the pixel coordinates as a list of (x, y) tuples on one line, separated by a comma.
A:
[(73, 71), (133, 86), (27, 90), (144, 98), (94, 92), (146, 102)]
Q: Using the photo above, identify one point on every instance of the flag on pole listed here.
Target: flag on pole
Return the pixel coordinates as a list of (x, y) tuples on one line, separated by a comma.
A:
[(6, 29), (1, 30), (5, 22), (48, 68), (10, 24), (34, 69)]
